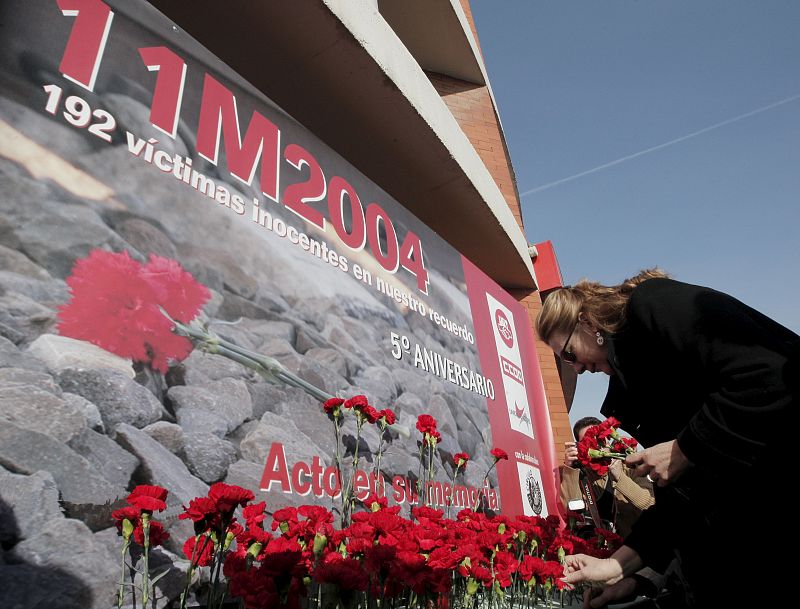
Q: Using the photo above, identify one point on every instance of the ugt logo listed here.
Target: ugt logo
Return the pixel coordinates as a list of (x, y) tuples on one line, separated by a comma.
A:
[(504, 328)]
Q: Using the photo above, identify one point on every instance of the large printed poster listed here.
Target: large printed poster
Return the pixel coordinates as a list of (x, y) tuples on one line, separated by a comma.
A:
[(120, 134)]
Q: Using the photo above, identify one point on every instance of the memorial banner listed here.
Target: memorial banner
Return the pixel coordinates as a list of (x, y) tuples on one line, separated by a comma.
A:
[(127, 149)]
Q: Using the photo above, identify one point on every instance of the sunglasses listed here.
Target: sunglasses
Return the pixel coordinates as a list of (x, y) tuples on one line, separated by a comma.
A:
[(567, 355)]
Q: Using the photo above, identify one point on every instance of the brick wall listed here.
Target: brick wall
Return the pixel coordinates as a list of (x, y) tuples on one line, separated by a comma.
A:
[(474, 110), (472, 107)]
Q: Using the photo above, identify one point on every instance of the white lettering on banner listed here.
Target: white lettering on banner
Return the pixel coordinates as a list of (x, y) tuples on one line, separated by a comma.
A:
[(508, 353), (317, 479)]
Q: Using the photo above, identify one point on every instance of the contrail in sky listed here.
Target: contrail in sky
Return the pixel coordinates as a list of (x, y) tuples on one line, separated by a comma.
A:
[(659, 146)]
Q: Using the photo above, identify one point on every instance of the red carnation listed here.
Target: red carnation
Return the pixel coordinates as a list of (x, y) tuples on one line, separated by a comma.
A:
[(331, 405), (357, 401), (460, 459), (369, 413), (229, 496), (199, 508), (426, 423), (148, 498), (114, 303), (499, 454), (157, 534), (130, 513), (199, 552), (388, 416)]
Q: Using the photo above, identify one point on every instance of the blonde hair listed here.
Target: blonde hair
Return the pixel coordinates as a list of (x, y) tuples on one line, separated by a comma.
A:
[(603, 306)]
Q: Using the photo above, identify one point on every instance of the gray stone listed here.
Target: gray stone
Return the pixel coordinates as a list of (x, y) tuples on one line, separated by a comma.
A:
[(309, 417), (169, 435), (337, 334), (275, 428), (439, 408), (114, 463), (396, 461), (31, 501), (224, 264), (16, 262), (69, 546), (378, 385), (322, 377), (119, 399), (55, 235), (89, 410), (227, 399), (271, 329), (62, 352), (267, 397), (161, 467), (208, 456), (235, 307), (56, 135), (282, 351), (240, 433), (25, 316), (12, 357), (412, 381), (330, 358), (33, 587), (32, 408), (86, 493), (408, 403), (199, 420), (16, 377), (48, 291), (146, 238), (200, 368), (307, 338)]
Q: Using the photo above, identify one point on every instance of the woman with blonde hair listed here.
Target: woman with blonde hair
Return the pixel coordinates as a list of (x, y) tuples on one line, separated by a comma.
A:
[(710, 386)]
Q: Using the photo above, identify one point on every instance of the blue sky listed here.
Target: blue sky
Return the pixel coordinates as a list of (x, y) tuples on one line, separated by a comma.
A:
[(581, 84)]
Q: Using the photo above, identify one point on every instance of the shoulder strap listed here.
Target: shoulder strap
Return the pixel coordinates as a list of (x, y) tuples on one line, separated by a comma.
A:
[(588, 492)]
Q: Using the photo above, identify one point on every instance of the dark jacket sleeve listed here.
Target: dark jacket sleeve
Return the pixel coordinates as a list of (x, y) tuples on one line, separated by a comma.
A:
[(740, 364)]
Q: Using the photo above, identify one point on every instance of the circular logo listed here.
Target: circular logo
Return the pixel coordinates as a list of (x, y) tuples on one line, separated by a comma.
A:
[(534, 494), (504, 328)]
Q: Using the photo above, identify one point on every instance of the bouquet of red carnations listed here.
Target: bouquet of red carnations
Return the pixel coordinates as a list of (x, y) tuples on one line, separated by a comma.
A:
[(603, 442)]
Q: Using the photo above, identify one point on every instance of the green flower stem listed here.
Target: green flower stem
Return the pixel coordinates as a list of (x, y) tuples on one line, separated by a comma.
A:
[(483, 485), (420, 481), (146, 559), (267, 366), (121, 596), (338, 435)]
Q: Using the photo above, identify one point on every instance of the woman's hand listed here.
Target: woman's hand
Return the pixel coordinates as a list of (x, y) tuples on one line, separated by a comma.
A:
[(581, 568), (662, 463), (621, 592)]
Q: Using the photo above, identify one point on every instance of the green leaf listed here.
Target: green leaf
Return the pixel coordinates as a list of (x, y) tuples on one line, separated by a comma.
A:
[(155, 578)]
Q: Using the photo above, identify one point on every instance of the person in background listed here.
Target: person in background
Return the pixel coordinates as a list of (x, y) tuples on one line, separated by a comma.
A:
[(711, 387), (619, 495)]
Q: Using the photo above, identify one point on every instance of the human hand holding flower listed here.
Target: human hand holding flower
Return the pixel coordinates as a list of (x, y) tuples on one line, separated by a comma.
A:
[(602, 443), (662, 463)]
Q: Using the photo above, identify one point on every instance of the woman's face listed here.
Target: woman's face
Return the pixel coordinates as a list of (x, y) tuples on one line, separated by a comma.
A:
[(580, 345)]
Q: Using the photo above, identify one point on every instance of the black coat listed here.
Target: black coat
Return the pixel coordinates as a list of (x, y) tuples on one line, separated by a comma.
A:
[(697, 365)]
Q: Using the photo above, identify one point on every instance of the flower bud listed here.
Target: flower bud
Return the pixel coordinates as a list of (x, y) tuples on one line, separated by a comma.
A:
[(320, 542), (472, 586), (127, 529)]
